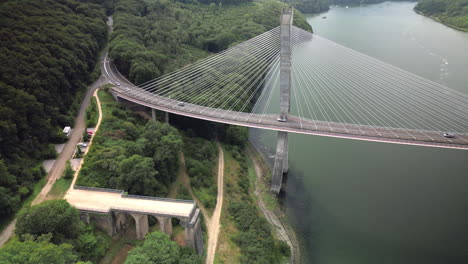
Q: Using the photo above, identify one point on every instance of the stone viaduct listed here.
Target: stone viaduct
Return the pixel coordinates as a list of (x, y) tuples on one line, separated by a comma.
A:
[(111, 210)]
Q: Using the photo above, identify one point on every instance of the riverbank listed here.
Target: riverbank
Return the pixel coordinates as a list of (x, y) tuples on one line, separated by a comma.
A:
[(270, 205), (435, 18)]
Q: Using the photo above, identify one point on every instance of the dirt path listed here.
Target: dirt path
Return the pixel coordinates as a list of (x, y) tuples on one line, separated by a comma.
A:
[(98, 124), (282, 232), (67, 152), (213, 226)]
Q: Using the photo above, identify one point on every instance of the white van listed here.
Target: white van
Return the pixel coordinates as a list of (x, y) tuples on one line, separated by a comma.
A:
[(67, 130)]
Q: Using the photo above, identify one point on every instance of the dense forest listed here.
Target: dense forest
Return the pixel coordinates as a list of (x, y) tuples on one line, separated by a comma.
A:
[(155, 37), (310, 6), (47, 51), (130, 154), (450, 12)]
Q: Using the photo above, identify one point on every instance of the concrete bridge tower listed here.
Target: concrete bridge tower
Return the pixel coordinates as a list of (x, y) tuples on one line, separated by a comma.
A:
[(281, 165)]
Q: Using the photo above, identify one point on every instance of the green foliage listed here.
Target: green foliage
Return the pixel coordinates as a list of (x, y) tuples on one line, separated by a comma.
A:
[(158, 248), (138, 176), (451, 12), (69, 172), (47, 51), (236, 135), (128, 155), (56, 217), (309, 6), (92, 113), (155, 37), (255, 238), (36, 251), (61, 222), (200, 160)]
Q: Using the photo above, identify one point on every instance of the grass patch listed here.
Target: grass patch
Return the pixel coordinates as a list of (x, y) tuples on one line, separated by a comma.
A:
[(92, 113), (228, 251), (106, 99), (59, 188)]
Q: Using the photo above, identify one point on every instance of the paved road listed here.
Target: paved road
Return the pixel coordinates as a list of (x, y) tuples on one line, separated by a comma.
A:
[(126, 90), (213, 227), (101, 201)]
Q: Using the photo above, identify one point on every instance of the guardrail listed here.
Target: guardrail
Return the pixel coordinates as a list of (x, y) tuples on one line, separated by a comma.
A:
[(157, 198), (96, 189)]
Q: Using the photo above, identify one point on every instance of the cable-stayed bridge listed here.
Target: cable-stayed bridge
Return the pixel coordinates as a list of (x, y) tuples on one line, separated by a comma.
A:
[(291, 80)]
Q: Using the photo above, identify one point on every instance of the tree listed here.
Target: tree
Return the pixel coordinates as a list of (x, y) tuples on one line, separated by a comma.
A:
[(36, 251), (237, 135), (138, 176), (158, 248), (56, 217), (69, 172)]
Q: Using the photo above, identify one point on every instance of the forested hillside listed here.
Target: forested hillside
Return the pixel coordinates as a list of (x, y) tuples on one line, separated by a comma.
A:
[(48, 49), (155, 37), (451, 12), (310, 6), (317, 6)]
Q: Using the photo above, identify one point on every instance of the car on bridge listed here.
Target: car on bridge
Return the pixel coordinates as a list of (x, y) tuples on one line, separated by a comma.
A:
[(181, 104), (448, 135)]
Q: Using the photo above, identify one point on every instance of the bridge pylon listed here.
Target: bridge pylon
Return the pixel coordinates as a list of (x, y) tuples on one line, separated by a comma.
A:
[(281, 165)]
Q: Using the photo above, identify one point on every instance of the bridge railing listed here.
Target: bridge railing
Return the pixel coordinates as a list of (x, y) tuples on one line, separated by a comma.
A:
[(96, 189)]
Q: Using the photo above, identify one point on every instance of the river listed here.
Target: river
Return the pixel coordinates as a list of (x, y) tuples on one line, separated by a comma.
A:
[(367, 203)]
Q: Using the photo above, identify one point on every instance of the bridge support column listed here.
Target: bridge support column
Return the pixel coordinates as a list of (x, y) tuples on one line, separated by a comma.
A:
[(141, 223), (165, 224), (193, 233), (166, 117), (153, 114), (116, 98), (85, 217), (281, 163), (110, 226)]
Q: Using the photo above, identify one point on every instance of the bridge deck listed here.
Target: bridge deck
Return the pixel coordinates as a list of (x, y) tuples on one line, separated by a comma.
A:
[(100, 201), (294, 124)]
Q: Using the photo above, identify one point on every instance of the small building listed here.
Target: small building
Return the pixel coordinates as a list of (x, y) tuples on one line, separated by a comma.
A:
[(67, 130)]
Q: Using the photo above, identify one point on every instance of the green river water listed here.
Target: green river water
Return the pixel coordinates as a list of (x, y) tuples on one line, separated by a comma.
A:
[(355, 202)]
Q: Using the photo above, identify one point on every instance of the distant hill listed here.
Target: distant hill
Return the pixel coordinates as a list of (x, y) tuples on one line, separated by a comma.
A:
[(317, 6)]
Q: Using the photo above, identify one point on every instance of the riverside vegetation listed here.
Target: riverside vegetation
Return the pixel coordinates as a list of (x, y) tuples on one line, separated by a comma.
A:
[(451, 12)]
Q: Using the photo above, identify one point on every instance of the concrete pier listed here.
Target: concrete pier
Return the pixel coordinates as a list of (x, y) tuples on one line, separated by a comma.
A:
[(153, 114), (165, 224), (281, 165)]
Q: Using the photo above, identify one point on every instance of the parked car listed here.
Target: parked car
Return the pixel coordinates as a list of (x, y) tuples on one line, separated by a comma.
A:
[(82, 144), (448, 135), (118, 84)]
